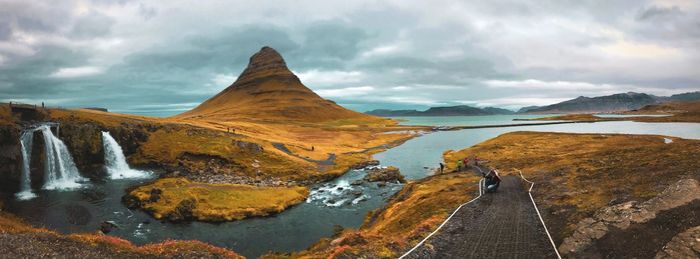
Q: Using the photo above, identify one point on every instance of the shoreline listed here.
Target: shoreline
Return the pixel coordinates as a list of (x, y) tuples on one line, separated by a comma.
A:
[(452, 128)]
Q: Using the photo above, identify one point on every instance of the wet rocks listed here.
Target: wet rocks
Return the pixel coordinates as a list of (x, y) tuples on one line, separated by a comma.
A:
[(622, 215), (131, 201), (384, 174), (365, 164), (107, 226)]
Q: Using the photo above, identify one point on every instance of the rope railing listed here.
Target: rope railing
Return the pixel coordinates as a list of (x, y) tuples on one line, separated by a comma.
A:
[(529, 192), (443, 223)]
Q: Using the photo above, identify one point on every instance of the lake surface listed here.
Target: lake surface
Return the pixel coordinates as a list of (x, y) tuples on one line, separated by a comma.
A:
[(330, 204), (468, 120)]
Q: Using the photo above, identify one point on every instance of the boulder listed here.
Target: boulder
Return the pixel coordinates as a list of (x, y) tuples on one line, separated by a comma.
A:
[(107, 226), (248, 146), (365, 164), (387, 174)]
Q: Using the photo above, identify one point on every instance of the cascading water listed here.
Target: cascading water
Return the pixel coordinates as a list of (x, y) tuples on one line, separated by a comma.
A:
[(60, 170), (117, 168), (26, 141)]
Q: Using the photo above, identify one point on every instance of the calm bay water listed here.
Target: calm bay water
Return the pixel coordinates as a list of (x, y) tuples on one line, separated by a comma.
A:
[(301, 226), (468, 120)]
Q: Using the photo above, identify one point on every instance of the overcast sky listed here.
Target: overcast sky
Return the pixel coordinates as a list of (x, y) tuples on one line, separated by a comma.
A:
[(164, 57)]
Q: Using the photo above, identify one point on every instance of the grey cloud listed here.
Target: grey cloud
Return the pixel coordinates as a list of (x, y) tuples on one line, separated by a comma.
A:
[(654, 12), (438, 52), (33, 15), (30, 77), (5, 31), (332, 39), (92, 25), (147, 12)]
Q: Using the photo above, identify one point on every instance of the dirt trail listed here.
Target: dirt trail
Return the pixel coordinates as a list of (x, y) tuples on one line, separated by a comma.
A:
[(497, 225)]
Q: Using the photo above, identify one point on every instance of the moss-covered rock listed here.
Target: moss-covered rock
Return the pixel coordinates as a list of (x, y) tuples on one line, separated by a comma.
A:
[(178, 199)]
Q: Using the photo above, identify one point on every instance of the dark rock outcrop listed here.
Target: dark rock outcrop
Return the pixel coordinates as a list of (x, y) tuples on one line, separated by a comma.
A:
[(622, 215), (84, 140), (107, 226), (683, 245), (365, 164), (10, 153), (388, 174)]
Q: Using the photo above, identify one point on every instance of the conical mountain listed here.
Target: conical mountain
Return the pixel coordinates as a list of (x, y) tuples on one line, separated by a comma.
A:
[(268, 90)]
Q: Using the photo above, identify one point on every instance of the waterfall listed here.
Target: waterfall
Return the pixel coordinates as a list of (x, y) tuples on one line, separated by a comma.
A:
[(26, 141), (117, 168), (59, 168)]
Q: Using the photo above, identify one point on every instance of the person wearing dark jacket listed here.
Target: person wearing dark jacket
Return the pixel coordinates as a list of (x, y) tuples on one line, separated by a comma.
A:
[(492, 180)]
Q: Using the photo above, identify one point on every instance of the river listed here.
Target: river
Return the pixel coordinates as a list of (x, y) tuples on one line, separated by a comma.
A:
[(297, 228)]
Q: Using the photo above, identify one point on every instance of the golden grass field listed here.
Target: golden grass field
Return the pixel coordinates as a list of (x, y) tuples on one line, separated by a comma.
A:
[(577, 174), (217, 202)]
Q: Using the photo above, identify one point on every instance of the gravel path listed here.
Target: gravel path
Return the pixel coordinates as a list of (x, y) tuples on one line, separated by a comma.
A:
[(497, 225)]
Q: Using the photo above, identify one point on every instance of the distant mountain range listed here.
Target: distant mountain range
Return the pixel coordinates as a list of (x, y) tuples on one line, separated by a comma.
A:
[(460, 110), (601, 104), (609, 103)]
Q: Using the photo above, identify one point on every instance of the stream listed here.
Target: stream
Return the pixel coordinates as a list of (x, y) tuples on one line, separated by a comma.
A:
[(331, 205)]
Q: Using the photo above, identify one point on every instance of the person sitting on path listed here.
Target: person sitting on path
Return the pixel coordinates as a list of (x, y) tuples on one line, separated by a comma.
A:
[(493, 180)]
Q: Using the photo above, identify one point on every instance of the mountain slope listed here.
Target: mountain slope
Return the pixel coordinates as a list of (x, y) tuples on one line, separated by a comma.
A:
[(267, 90), (684, 97), (609, 103), (459, 110)]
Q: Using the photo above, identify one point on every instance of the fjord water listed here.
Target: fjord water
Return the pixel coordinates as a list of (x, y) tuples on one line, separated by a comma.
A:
[(469, 120), (417, 157), (302, 225)]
